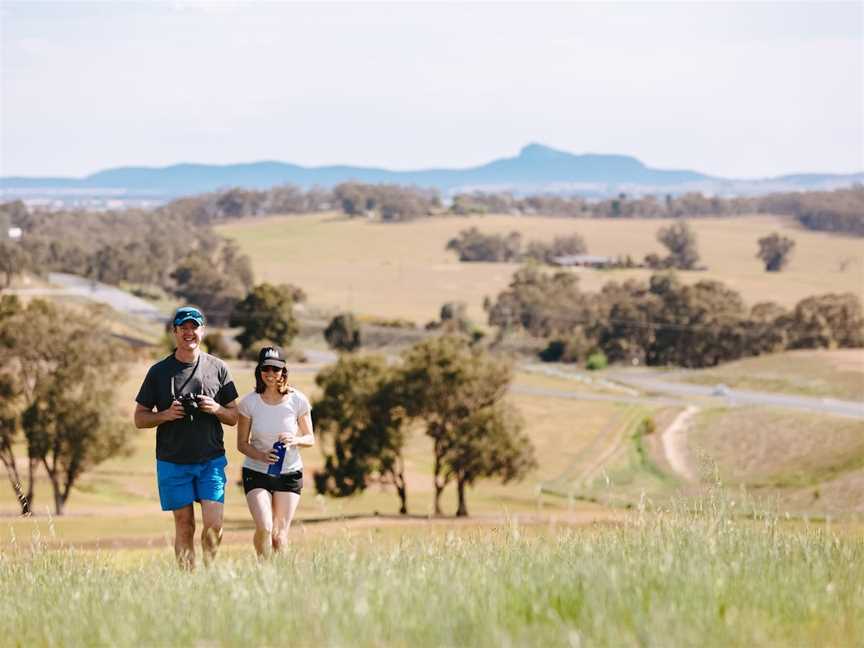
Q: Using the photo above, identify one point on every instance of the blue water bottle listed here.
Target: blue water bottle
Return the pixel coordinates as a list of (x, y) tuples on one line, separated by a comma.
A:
[(276, 468)]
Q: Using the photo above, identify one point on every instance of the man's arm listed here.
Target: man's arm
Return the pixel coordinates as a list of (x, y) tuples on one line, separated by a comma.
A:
[(147, 418), (226, 414)]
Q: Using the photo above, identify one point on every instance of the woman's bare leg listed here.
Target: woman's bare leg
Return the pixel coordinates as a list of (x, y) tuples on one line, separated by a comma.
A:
[(260, 507), (284, 507)]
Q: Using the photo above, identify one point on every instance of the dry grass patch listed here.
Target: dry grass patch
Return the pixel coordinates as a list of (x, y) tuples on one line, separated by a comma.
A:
[(762, 447)]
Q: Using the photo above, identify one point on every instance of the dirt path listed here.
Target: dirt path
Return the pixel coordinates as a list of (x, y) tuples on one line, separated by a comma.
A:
[(675, 445)]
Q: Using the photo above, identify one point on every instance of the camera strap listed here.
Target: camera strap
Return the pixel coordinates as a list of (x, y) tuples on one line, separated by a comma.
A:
[(185, 382)]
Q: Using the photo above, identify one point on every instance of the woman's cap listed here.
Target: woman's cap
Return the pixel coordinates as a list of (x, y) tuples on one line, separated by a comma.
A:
[(271, 357)]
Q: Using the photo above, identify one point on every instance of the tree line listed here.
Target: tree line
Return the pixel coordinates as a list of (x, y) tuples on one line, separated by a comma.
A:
[(841, 210), (663, 321)]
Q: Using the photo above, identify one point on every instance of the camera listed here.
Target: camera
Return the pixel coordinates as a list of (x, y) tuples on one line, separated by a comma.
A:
[(189, 403)]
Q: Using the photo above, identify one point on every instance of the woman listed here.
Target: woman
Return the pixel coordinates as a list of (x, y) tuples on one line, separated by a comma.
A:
[(274, 412)]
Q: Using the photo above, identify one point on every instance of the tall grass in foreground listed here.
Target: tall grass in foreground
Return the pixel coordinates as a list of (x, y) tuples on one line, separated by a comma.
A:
[(667, 579)]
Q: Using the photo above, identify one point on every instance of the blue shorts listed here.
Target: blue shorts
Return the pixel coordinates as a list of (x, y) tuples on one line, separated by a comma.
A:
[(182, 484)]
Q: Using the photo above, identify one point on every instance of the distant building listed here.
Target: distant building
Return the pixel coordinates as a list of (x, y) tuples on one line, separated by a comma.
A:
[(584, 260), (15, 233)]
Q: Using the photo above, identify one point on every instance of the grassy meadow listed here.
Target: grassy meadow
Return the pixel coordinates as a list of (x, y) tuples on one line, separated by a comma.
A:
[(403, 270), (676, 578)]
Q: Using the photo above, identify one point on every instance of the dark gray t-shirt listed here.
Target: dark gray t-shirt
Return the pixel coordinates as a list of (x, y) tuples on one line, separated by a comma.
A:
[(186, 441)]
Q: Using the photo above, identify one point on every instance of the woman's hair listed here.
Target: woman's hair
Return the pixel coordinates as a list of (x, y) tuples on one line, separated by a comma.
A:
[(260, 386)]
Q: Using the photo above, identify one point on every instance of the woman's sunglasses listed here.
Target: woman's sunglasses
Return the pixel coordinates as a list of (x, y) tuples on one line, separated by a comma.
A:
[(268, 369)]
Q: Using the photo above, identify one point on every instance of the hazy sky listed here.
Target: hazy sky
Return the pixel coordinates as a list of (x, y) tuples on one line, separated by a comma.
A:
[(733, 89)]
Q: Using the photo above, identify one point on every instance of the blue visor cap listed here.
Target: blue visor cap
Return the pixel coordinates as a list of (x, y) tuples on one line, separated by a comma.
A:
[(188, 313)]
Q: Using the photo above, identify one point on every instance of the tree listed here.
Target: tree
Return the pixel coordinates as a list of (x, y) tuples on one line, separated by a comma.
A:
[(680, 240), (453, 319), (487, 443), (201, 282), (68, 368), (560, 246), (473, 245), (826, 321), (266, 313), (774, 250), (10, 395), (359, 421), (539, 303), (13, 260), (457, 392), (343, 333)]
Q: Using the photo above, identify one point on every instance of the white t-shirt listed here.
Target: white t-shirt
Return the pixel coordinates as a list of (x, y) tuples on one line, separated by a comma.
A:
[(269, 421)]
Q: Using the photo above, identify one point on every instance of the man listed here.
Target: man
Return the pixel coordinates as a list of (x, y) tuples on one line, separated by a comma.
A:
[(187, 396)]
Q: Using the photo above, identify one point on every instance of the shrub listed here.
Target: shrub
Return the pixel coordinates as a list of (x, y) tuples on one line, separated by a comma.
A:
[(596, 361)]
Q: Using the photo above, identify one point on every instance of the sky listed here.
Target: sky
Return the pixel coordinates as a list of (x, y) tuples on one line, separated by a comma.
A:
[(739, 90)]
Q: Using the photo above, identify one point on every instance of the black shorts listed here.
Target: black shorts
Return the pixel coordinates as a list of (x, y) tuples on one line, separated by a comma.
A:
[(289, 482)]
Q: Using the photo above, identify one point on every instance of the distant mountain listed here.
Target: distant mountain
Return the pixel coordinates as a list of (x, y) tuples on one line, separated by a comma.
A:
[(537, 168)]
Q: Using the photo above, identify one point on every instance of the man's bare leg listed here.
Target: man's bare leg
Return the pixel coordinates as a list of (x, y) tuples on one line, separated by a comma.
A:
[(184, 537), (211, 536)]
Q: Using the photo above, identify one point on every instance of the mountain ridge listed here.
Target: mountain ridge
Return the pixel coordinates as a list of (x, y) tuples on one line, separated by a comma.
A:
[(536, 168)]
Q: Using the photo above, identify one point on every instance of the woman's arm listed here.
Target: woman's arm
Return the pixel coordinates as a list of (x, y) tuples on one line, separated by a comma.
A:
[(244, 426), (306, 438)]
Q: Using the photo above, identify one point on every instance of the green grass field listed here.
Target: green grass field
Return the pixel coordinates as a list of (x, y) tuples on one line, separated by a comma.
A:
[(403, 270), (676, 578)]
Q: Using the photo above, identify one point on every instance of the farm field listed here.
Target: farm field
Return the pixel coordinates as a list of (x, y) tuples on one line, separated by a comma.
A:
[(403, 270)]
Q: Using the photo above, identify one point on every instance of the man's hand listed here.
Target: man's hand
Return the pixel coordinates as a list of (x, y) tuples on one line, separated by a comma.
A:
[(207, 404), (173, 413)]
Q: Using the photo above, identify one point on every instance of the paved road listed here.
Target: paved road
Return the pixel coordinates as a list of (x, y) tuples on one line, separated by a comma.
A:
[(119, 300), (736, 397), (588, 396)]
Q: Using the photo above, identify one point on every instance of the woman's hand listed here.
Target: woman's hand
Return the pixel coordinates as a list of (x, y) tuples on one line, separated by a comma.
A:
[(288, 438), (268, 456)]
